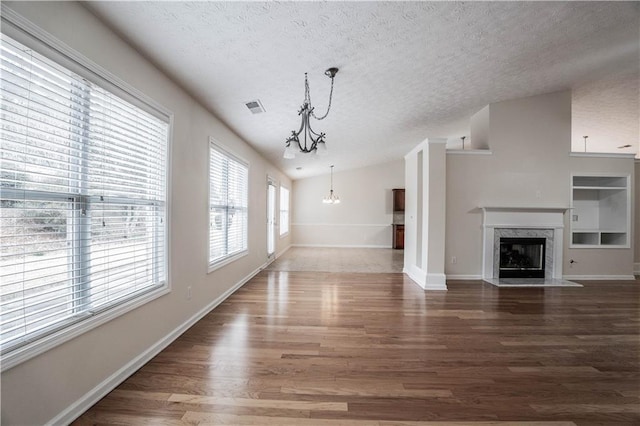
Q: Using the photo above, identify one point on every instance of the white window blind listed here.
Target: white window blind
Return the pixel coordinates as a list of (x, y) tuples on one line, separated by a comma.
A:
[(284, 210), (83, 190), (228, 205)]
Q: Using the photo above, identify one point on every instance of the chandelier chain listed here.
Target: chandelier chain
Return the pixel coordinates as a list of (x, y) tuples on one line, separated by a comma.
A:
[(308, 98)]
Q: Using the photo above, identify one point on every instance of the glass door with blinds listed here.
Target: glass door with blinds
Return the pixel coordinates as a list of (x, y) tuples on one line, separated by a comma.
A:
[(271, 217)]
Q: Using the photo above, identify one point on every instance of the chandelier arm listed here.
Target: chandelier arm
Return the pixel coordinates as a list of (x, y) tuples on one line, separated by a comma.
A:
[(311, 131), (306, 133), (296, 134)]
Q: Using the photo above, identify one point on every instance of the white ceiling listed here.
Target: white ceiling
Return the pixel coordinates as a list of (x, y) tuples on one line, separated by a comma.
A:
[(408, 70)]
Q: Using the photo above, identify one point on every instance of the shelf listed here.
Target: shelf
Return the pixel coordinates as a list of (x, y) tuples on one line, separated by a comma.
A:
[(613, 238), (600, 211), (590, 238), (600, 188), (598, 238), (597, 182)]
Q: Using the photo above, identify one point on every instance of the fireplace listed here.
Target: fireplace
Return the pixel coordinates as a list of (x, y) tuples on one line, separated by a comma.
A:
[(544, 223), (522, 258)]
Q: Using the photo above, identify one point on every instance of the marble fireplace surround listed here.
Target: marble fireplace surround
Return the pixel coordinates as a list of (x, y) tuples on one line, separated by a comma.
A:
[(535, 222), (547, 234)]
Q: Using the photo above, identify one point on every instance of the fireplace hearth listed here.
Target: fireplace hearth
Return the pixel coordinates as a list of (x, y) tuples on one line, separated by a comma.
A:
[(522, 258)]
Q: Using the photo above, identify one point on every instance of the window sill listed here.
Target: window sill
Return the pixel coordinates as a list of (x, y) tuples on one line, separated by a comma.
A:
[(284, 235), (227, 260), (45, 343)]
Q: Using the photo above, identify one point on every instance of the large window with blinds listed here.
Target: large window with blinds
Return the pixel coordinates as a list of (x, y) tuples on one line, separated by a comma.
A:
[(228, 205), (284, 211), (82, 199)]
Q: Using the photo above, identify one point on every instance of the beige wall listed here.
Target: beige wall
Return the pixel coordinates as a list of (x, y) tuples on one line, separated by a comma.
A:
[(530, 166), (479, 124), (607, 110), (364, 215), (511, 176), (37, 390)]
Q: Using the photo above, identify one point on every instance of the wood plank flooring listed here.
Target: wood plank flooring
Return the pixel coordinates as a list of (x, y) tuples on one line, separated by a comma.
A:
[(309, 348)]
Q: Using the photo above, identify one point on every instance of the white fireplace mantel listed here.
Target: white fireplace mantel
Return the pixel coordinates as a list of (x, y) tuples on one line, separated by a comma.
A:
[(522, 218)]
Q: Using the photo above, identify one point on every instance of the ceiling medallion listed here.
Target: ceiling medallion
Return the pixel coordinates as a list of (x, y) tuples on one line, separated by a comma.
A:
[(311, 141)]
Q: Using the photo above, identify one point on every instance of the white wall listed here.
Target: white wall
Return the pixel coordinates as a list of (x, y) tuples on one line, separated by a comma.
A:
[(364, 216), (38, 390), (426, 212)]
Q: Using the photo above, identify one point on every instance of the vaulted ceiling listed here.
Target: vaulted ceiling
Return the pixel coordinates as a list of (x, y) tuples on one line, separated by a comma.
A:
[(408, 70)]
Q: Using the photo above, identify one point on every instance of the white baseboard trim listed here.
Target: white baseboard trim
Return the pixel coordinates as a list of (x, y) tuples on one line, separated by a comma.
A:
[(436, 282), (339, 246), (416, 275), (426, 281), (636, 268), (463, 277), (599, 277), (76, 409)]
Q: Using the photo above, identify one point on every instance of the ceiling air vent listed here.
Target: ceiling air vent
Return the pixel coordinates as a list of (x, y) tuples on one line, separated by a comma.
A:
[(255, 106)]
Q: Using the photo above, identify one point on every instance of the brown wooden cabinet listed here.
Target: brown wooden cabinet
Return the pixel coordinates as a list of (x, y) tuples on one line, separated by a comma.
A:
[(398, 200), (398, 236), (398, 218)]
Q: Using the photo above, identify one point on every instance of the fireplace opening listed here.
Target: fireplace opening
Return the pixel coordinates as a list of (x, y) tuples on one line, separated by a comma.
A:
[(522, 257)]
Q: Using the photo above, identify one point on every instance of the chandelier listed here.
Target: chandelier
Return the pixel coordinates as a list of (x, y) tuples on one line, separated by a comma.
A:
[(311, 141), (331, 198)]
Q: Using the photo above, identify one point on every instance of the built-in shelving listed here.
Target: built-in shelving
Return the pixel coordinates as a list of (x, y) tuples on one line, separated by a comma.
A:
[(600, 211)]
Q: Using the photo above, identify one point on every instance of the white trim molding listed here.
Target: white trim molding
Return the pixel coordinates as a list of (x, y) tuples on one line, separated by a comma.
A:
[(463, 277), (599, 277), (469, 152), (426, 281), (602, 154)]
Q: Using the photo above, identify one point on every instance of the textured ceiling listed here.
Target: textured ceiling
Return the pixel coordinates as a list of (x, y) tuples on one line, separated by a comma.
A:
[(408, 70)]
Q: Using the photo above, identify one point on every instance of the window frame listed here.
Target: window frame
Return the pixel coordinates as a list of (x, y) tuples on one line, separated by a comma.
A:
[(288, 221), (229, 257), (25, 32)]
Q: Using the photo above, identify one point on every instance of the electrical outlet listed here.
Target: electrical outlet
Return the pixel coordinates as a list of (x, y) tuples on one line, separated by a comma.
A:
[(454, 259), (574, 217), (189, 293)]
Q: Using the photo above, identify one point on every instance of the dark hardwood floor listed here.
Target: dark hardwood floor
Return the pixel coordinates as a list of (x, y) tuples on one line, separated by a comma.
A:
[(301, 348)]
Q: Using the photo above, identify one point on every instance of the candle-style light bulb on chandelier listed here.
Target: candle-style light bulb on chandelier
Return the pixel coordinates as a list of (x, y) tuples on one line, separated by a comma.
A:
[(305, 139), (331, 198)]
